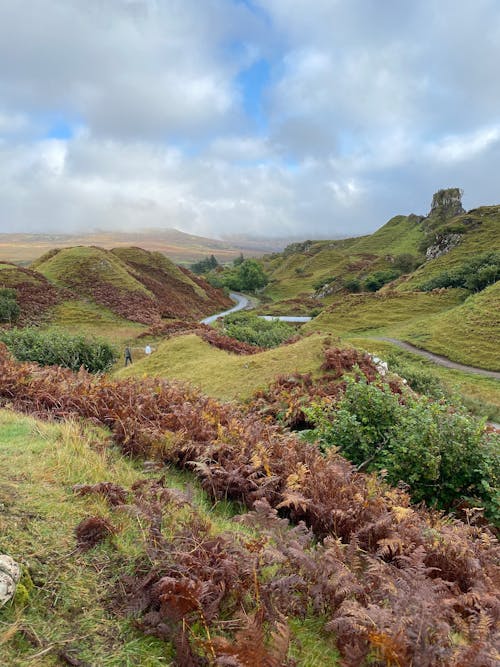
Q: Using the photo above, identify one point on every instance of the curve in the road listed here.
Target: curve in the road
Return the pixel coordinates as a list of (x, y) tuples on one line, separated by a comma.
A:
[(241, 302), (438, 359)]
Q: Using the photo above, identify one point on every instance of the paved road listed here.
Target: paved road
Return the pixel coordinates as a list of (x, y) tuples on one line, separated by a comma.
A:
[(242, 302), (442, 361)]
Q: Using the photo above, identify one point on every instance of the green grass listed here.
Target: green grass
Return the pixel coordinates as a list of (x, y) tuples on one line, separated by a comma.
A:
[(91, 319), (66, 608), (468, 333), (381, 311), (12, 276), (221, 374), (480, 395), (70, 267), (401, 234)]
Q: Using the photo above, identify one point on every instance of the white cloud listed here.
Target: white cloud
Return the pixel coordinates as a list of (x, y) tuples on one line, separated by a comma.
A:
[(369, 108)]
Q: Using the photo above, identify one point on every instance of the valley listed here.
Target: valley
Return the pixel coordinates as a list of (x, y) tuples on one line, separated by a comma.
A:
[(279, 492)]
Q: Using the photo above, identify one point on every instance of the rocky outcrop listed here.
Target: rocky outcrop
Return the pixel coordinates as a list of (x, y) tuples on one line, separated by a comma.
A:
[(442, 245), (447, 203)]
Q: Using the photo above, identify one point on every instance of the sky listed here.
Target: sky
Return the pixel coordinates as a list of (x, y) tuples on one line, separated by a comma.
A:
[(287, 118)]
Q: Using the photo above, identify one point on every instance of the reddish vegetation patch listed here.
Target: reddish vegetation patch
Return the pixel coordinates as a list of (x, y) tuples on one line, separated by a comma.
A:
[(396, 581), (92, 531), (206, 333), (113, 493), (339, 360), (286, 398), (35, 294), (135, 306), (176, 298)]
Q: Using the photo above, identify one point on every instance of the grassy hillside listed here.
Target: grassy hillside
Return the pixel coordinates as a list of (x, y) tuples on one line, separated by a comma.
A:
[(134, 284), (382, 311), (468, 333), (222, 374)]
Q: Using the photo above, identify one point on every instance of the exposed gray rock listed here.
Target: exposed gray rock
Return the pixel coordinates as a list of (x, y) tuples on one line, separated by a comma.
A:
[(447, 203), (10, 573), (442, 245)]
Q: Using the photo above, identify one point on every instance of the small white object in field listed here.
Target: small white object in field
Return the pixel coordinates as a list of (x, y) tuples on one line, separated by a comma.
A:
[(10, 573)]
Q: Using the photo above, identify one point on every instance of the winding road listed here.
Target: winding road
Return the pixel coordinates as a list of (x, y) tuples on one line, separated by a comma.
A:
[(438, 359), (242, 302)]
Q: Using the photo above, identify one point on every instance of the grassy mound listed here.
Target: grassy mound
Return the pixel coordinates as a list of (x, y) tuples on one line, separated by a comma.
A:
[(221, 374), (135, 284)]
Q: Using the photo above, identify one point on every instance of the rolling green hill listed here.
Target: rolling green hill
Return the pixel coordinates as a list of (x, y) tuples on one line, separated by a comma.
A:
[(134, 284)]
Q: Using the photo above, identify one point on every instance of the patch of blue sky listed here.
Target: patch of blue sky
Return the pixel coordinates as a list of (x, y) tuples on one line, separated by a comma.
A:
[(60, 127), (252, 82)]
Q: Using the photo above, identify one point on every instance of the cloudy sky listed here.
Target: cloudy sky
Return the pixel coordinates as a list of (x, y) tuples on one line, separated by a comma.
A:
[(266, 117)]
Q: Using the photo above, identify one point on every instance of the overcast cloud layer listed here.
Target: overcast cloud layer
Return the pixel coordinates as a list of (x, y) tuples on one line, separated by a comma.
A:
[(269, 117)]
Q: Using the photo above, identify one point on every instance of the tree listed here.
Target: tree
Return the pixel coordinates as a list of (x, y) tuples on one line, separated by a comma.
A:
[(9, 308), (251, 275)]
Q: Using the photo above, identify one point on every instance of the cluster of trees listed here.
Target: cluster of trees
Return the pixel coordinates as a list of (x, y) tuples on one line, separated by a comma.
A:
[(474, 275), (205, 265), (9, 308), (56, 348), (245, 275)]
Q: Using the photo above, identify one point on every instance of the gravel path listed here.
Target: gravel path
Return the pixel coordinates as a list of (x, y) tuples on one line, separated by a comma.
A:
[(442, 361)]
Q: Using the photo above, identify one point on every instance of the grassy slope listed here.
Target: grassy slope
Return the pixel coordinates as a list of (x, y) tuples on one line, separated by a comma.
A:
[(354, 313), (145, 260), (476, 241), (67, 607), (71, 266), (221, 374), (469, 333), (296, 273), (91, 319)]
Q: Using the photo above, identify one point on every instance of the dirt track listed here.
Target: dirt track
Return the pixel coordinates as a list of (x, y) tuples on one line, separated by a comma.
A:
[(442, 361)]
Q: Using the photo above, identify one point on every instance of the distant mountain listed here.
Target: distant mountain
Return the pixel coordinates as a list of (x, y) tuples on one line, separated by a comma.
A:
[(179, 246)]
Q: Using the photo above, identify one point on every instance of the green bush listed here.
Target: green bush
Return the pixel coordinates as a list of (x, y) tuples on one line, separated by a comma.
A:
[(59, 349), (419, 379), (442, 453), (249, 328), (9, 308), (353, 285), (376, 280), (474, 275)]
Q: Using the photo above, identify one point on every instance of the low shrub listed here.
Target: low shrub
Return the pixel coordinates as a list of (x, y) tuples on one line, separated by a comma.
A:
[(249, 328), (9, 308), (59, 349), (474, 275), (376, 280), (442, 453)]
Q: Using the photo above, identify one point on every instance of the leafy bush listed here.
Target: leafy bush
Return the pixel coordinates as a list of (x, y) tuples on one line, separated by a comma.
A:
[(406, 262), (474, 275), (9, 308), (353, 285), (440, 452), (376, 280), (59, 349), (249, 328)]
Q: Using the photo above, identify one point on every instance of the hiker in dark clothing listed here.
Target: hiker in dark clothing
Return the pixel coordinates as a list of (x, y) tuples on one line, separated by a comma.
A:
[(128, 356)]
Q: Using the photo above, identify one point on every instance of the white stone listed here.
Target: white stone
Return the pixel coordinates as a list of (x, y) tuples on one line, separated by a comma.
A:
[(10, 573)]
